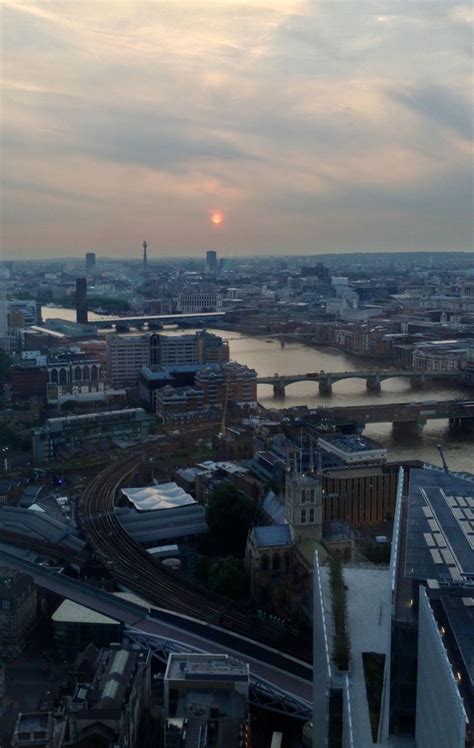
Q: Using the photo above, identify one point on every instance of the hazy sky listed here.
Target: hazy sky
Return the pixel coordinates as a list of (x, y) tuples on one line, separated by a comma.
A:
[(312, 126)]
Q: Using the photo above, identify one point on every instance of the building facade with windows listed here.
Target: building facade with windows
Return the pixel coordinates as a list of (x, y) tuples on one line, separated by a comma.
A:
[(91, 428)]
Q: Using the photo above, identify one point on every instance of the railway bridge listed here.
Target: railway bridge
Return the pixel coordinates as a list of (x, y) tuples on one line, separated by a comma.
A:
[(407, 418), (373, 379)]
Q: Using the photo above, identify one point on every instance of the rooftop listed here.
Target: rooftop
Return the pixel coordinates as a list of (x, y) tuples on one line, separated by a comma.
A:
[(162, 496), (440, 527), (350, 443), (272, 535), (71, 612), (205, 667)]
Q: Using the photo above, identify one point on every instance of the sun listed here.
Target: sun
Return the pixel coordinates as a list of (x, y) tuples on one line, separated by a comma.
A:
[(216, 217)]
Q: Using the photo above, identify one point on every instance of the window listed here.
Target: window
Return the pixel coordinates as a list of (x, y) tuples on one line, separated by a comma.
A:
[(264, 563), (303, 516), (311, 515), (303, 496)]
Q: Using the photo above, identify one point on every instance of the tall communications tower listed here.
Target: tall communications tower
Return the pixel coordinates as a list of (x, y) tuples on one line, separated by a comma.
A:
[(145, 261)]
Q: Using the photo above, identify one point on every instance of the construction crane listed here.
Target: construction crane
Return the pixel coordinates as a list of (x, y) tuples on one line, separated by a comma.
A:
[(443, 458), (223, 431)]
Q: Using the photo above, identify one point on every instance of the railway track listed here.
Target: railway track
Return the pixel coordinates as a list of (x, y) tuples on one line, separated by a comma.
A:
[(131, 566)]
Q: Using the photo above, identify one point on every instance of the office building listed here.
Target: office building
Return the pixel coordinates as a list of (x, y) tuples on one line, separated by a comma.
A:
[(202, 301), (206, 701), (70, 434), (81, 301), (429, 679), (353, 449), (126, 355), (231, 383), (200, 347), (211, 261), (90, 262), (17, 611), (363, 495), (172, 350)]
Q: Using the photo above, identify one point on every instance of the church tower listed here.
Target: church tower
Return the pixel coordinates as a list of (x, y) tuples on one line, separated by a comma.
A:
[(303, 502)]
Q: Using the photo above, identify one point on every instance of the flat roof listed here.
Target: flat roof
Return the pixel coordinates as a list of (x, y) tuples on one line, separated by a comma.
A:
[(71, 612), (205, 667), (440, 527), (351, 443)]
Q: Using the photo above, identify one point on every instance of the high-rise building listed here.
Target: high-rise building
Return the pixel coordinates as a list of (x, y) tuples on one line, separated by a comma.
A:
[(90, 261), (211, 261), (126, 355), (3, 311), (81, 300), (145, 258)]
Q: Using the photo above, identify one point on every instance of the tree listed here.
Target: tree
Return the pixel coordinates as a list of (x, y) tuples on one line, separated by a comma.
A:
[(229, 517), (227, 576)]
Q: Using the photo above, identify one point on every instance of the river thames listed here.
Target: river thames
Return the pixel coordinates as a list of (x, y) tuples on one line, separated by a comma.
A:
[(268, 357)]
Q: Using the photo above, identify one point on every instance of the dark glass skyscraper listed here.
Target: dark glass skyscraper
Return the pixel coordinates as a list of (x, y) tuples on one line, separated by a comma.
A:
[(81, 301), (90, 261)]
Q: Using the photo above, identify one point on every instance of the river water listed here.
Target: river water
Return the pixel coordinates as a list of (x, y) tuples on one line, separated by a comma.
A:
[(268, 357)]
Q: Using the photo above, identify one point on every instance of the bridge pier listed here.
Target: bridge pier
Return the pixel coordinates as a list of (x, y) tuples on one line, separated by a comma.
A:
[(465, 425), (418, 382), (373, 385), (325, 386), (279, 391), (408, 428)]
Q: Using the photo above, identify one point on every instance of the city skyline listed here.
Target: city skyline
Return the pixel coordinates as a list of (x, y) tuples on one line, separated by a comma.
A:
[(272, 127)]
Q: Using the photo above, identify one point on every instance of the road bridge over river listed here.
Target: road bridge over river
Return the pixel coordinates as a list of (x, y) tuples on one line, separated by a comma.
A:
[(406, 417), (373, 379)]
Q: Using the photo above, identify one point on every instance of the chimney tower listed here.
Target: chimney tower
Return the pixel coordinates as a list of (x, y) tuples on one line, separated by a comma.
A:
[(145, 260)]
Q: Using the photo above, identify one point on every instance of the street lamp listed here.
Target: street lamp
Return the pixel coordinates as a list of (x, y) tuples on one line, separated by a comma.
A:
[(5, 458)]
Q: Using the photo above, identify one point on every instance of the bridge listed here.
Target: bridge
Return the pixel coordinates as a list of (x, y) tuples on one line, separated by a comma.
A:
[(155, 320), (373, 379), (407, 418), (279, 683)]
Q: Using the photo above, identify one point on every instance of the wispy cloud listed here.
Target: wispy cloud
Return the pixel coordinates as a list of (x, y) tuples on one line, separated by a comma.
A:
[(297, 118)]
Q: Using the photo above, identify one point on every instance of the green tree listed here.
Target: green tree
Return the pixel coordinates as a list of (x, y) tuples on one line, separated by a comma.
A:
[(227, 576), (229, 517)]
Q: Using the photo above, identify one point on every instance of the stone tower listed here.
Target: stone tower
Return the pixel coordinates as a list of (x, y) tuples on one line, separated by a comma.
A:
[(303, 502)]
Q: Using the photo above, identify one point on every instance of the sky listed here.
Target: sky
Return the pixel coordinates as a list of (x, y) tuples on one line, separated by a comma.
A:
[(265, 126)]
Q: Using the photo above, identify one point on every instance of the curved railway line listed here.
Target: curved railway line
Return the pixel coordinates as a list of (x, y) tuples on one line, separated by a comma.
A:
[(131, 566)]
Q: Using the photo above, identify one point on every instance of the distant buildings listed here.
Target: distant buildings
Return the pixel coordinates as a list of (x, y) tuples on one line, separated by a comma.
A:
[(201, 301), (211, 261), (90, 262), (128, 354)]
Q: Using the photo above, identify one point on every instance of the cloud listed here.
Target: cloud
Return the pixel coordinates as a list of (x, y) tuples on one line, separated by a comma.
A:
[(298, 119), (440, 105)]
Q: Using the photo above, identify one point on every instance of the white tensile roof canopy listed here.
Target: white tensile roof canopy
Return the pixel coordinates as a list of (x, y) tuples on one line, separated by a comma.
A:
[(162, 496)]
